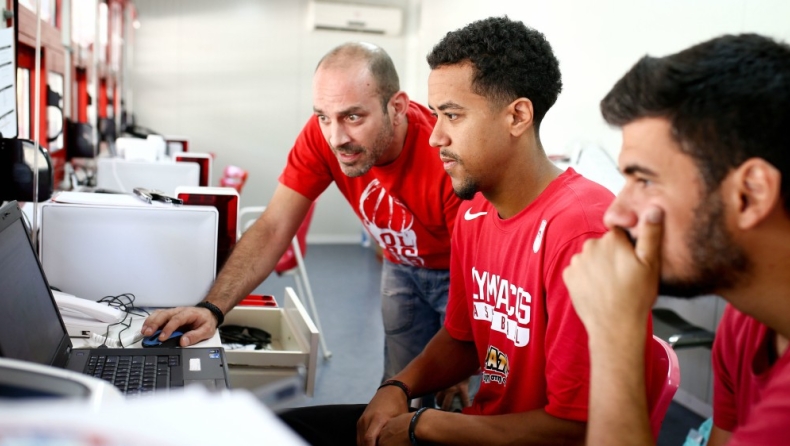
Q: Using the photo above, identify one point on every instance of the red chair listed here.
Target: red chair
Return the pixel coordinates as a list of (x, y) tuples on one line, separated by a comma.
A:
[(233, 176), (665, 380), (292, 261)]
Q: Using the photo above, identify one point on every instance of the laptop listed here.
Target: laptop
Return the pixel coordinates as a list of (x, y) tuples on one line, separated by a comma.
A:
[(32, 329)]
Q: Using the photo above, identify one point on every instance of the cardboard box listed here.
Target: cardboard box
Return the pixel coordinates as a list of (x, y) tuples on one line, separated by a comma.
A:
[(294, 345)]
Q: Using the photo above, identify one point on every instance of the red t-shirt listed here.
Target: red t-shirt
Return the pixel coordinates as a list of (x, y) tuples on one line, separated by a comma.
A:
[(408, 206), (751, 397), (507, 295)]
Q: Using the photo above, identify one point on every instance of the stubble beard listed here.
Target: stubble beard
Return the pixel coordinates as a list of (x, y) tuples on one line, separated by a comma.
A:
[(718, 262), (371, 155)]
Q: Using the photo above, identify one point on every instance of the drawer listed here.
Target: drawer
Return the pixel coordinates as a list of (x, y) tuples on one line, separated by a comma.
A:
[(294, 345)]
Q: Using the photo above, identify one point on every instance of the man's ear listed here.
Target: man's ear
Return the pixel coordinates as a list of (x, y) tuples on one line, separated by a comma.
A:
[(398, 105), (521, 114), (757, 187)]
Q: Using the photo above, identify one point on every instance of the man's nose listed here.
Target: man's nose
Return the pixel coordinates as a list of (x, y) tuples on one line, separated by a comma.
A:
[(337, 135), (438, 137), (621, 213)]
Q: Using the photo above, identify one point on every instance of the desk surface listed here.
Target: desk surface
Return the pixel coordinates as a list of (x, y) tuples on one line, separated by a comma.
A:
[(213, 341)]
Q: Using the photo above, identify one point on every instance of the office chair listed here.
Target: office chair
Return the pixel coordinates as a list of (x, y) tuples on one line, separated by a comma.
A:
[(678, 332), (664, 382), (292, 261), (234, 176)]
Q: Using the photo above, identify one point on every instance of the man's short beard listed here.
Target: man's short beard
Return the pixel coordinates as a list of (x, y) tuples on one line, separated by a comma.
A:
[(380, 145), (467, 190), (718, 263)]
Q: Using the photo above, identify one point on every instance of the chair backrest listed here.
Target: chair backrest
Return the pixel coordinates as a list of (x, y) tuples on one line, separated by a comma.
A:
[(664, 382), (288, 259), (233, 176)]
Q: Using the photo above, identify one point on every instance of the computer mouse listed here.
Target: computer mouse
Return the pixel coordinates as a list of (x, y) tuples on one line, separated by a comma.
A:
[(172, 341)]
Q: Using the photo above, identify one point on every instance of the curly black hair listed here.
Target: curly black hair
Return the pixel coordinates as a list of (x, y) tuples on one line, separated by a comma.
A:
[(727, 99), (510, 60)]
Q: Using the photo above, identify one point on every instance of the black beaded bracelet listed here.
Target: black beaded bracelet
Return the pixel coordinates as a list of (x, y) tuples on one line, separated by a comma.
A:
[(214, 310), (396, 383), (413, 426)]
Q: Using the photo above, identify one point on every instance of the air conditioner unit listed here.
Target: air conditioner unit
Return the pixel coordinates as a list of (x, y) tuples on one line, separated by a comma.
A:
[(355, 18)]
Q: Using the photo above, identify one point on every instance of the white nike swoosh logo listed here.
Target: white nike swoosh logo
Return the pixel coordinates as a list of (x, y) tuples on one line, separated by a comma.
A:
[(470, 216)]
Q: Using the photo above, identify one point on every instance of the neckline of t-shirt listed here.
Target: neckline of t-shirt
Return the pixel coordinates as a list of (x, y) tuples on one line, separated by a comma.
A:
[(517, 220), (770, 370)]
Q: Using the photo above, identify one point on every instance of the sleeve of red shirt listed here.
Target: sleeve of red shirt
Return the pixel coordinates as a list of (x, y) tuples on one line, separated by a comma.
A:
[(724, 401), (767, 424), (457, 321), (307, 170)]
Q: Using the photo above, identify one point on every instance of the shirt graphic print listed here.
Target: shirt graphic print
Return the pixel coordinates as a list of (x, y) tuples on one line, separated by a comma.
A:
[(390, 223)]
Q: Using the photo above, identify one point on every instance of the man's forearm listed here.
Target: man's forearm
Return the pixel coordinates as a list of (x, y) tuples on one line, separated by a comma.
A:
[(250, 263), (618, 402), (530, 428), (443, 362)]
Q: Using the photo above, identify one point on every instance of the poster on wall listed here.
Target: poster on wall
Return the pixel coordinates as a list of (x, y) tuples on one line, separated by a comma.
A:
[(8, 124)]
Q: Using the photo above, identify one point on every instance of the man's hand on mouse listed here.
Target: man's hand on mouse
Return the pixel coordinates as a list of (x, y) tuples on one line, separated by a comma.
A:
[(200, 320)]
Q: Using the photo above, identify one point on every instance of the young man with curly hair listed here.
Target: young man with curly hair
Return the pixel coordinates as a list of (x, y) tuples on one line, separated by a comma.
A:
[(508, 314), (707, 198)]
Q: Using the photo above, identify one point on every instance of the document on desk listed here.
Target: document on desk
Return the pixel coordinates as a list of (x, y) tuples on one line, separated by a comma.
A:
[(233, 417), (8, 124), (68, 197)]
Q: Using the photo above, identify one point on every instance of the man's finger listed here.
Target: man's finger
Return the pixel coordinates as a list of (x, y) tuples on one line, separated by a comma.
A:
[(465, 397), (651, 231), (446, 401), (155, 321), (372, 434)]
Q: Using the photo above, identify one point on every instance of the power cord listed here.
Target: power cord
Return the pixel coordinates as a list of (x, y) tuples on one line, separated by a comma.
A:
[(125, 303)]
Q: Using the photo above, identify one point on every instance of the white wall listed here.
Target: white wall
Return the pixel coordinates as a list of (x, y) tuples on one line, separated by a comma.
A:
[(235, 76), (598, 41)]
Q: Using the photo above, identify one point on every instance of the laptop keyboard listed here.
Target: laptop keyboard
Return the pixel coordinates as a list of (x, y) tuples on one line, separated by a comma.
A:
[(133, 375)]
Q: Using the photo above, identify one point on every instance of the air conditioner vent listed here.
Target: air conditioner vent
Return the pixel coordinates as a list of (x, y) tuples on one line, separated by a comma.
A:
[(355, 18)]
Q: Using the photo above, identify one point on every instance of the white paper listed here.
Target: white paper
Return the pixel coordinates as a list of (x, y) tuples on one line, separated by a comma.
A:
[(8, 124), (191, 417)]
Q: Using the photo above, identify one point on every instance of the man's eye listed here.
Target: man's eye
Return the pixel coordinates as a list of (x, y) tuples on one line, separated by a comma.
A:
[(644, 182), (323, 118), (451, 116), (353, 118)]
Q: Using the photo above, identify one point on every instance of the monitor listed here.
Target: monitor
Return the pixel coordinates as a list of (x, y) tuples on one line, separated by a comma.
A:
[(226, 201), (123, 175), (107, 129), (204, 160), (176, 144), (79, 140), (17, 171), (163, 254), (26, 331)]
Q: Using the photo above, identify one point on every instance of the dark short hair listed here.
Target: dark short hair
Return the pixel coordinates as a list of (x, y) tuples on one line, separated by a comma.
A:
[(510, 61), (727, 99), (379, 63)]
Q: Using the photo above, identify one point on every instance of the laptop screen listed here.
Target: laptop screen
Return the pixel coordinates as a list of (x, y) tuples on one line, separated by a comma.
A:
[(30, 326)]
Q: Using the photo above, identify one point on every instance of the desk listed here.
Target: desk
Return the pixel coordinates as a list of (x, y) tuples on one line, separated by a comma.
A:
[(191, 417), (213, 341)]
